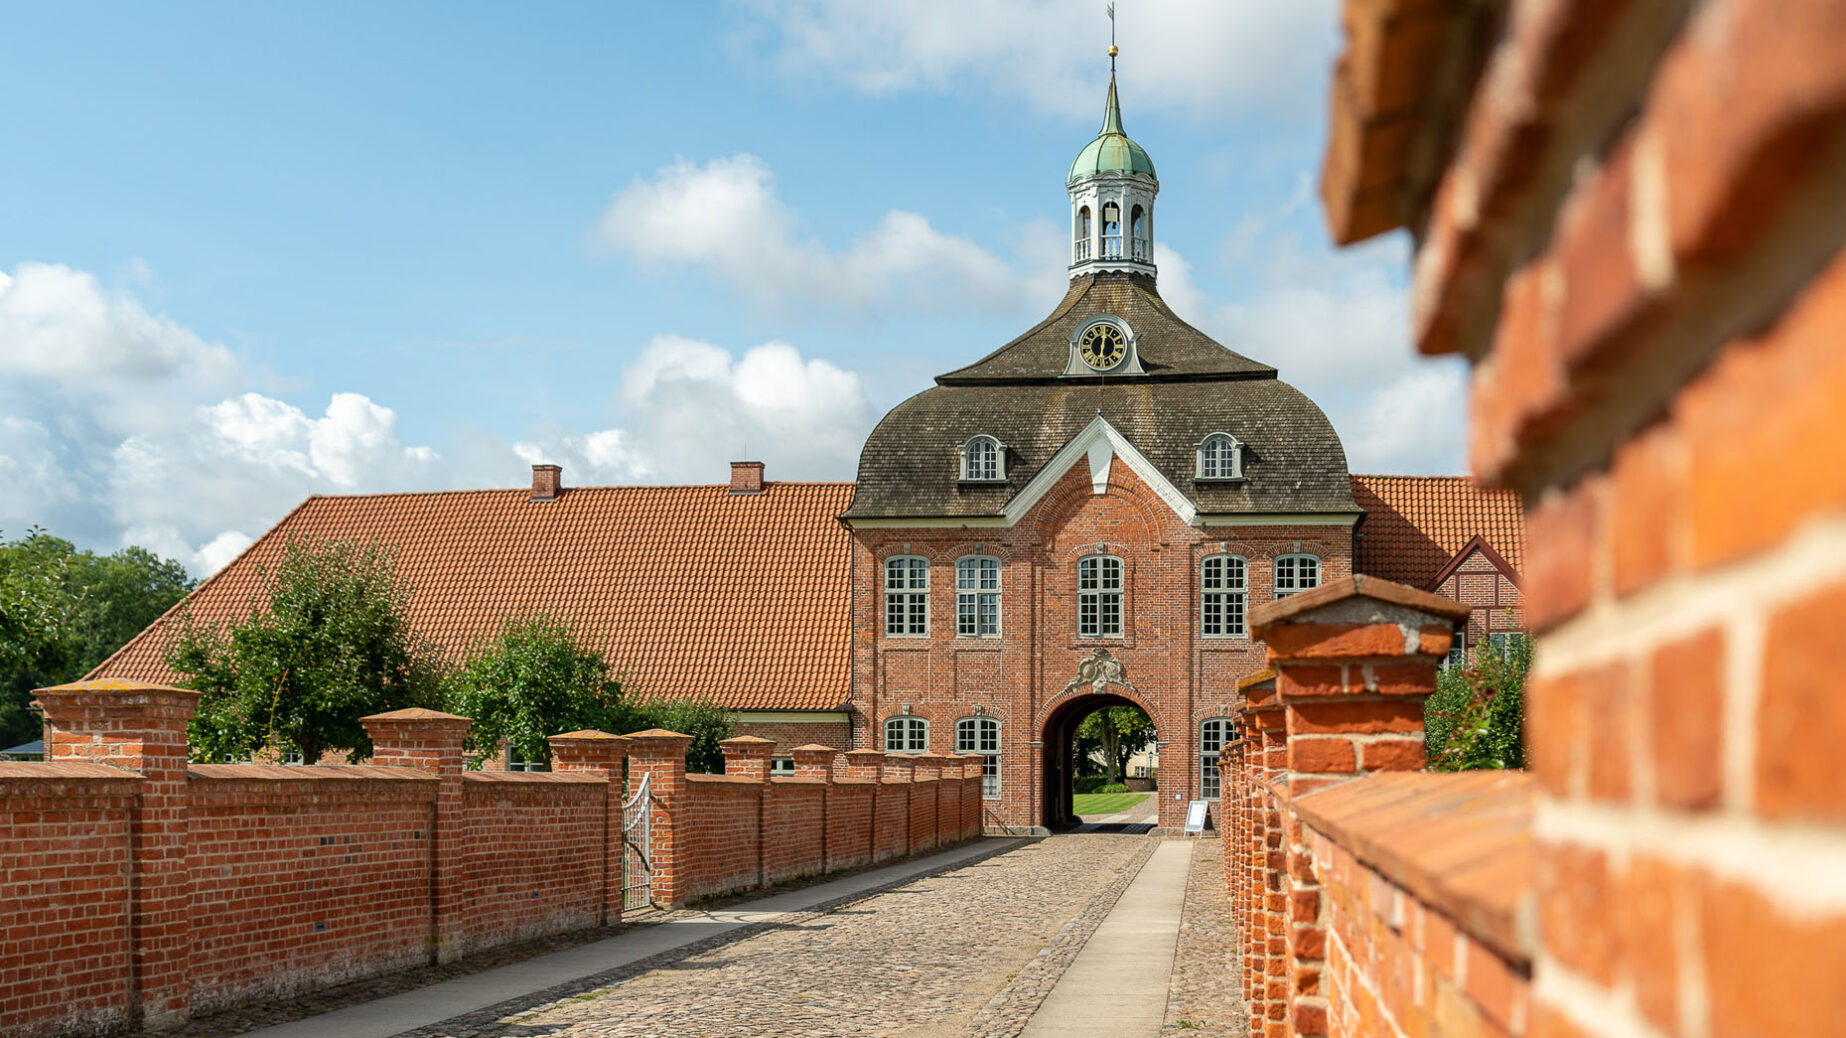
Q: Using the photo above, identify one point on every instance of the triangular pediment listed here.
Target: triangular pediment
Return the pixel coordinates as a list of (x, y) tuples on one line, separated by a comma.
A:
[(1097, 447)]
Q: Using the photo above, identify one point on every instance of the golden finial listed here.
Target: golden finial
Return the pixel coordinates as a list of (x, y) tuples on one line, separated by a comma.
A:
[(1112, 51)]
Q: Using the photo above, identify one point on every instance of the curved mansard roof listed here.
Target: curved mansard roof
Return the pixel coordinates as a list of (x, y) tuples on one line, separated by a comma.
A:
[(1293, 460)]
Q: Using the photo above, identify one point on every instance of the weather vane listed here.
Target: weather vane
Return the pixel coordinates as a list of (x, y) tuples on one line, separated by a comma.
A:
[(1112, 51)]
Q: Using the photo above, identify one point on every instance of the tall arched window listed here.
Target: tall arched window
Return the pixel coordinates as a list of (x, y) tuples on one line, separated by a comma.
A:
[(977, 596), (981, 735), (1099, 597), (1137, 231), (1213, 734), (906, 596), (1111, 230), (1083, 233), (1220, 456), (1296, 573), (906, 735), (983, 459), (1222, 584)]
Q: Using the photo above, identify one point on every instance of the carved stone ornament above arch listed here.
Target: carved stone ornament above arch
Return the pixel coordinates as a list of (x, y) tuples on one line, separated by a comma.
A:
[(1099, 671)]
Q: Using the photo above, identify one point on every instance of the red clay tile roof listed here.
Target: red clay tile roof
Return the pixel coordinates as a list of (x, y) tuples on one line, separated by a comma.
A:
[(1414, 525), (689, 590)]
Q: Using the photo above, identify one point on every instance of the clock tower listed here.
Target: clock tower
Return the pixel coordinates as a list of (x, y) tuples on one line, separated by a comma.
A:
[(1112, 187)]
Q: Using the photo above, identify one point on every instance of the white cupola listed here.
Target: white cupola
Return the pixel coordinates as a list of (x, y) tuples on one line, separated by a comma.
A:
[(1112, 188)]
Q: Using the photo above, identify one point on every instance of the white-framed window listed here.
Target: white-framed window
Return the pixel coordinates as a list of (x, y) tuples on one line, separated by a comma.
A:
[(1138, 232), (983, 460), (1099, 597), (906, 734), (981, 735), (1458, 650), (1500, 643), (977, 596), (906, 596), (1111, 230), (1083, 233), (1296, 573), (516, 761), (784, 766), (1220, 456), (1213, 734), (1222, 586)]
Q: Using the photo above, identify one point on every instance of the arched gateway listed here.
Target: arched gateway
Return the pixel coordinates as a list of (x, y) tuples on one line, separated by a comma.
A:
[(1083, 518)]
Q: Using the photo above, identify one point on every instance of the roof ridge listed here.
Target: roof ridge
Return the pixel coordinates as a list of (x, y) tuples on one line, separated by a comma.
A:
[(607, 486)]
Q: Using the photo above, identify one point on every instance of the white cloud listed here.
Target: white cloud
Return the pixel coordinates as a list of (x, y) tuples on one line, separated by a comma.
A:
[(1205, 58), (194, 477), (690, 408), (724, 217)]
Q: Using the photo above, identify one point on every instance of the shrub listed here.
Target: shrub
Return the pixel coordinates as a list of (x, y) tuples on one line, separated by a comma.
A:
[(1476, 718), (1113, 787), (1084, 784)]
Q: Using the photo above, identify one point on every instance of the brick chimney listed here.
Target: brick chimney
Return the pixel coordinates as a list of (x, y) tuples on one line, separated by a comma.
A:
[(746, 477), (547, 482)]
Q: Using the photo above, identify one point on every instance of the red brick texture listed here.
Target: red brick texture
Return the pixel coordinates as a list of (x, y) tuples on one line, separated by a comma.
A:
[(1020, 677), (141, 890), (1371, 901), (1632, 229)]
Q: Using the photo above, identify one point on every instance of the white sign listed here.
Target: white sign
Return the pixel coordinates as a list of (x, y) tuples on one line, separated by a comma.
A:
[(1195, 816)]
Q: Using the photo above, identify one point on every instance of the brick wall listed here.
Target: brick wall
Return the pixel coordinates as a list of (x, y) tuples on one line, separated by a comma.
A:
[(789, 734), (1629, 219), (141, 891), (1372, 901)]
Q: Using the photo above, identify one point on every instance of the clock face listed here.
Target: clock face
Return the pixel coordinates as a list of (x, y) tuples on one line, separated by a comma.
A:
[(1103, 347)]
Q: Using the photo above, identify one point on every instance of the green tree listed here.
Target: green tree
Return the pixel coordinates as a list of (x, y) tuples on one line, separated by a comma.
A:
[(325, 641), (1476, 718), (533, 681), (1118, 732), (35, 637), (704, 719), (63, 611)]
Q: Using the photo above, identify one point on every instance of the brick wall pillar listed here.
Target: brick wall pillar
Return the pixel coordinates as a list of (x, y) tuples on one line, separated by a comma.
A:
[(868, 766), (1354, 662), (865, 765), (431, 741), (660, 757), (928, 802), (141, 727), (1266, 980), (747, 757), (814, 761), (599, 753), (900, 781)]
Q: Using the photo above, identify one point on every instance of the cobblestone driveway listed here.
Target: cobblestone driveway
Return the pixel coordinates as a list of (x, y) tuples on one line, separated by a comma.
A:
[(972, 951)]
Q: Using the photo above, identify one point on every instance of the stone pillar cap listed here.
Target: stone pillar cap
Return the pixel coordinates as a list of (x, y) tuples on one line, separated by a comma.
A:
[(588, 733), (116, 685), (1296, 607), (657, 733), (746, 742), (415, 713), (815, 747)]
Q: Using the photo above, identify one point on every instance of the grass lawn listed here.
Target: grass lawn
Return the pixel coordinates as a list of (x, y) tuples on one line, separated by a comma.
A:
[(1104, 803)]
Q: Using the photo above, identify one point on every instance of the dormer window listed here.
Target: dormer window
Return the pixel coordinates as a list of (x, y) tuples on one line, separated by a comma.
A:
[(983, 460), (1220, 457)]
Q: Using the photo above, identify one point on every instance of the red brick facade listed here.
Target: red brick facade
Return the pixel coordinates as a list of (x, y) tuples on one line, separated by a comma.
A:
[(1180, 677)]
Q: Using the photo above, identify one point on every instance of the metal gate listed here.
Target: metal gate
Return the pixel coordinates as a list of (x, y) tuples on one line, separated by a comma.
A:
[(638, 849)]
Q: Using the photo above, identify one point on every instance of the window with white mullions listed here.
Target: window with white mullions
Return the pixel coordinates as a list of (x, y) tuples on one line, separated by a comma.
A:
[(1213, 734), (1099, 597), (977, 596), (1458, 650), (1222, 587), (1220, 457), (1296, 573), (981, 736), (983, 460), (906, 596), (906, 735)]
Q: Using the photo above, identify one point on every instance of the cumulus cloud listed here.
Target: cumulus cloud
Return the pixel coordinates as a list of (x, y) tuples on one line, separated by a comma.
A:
[(1205, 58), (691, 407), (209, 463), (724, 216)]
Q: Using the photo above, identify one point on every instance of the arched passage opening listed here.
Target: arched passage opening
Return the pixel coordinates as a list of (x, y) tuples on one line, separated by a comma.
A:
[(1058, 741)]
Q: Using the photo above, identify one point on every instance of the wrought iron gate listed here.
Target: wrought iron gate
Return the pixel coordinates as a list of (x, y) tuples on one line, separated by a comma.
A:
[(638, 849)]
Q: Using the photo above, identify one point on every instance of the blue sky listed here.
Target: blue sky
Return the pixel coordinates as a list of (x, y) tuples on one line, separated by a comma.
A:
[(253, 252)]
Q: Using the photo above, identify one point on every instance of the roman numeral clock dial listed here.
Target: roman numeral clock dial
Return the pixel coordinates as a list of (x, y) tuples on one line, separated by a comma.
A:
[(1103, 347)]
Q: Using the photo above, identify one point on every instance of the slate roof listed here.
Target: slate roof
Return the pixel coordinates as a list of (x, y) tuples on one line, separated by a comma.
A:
[(1414, 525), (689, 589), (1293, 460)]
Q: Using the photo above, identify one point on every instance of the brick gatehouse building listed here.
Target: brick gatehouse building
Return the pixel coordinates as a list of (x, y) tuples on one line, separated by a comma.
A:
[(1082, 518)]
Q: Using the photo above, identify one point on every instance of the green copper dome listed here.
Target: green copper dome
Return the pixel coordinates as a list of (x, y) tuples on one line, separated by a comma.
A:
[(1111, 151)]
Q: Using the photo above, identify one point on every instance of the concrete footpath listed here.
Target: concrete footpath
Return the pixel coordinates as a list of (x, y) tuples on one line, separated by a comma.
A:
[(1117, 987), (451, 998)]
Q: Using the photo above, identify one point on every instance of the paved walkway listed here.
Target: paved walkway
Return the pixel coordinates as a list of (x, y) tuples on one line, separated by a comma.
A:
[(990, 941)]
